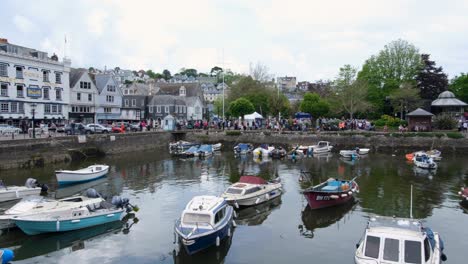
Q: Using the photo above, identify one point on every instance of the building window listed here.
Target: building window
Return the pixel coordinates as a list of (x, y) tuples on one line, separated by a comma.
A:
[(47, 108), (4, 107), (4, 89), (90, 97), (19, 72), (107, 110), (19, 91), (54, 109), (133, 102), (21, 107), (78, 96), (158, 109), (125, 91), (59, 109), (45, 76), (85, 85), (111, 88), (58, 77), (166, 109), (14, 107), (58, 94), (4, 70), (46, 93), (110, 98), (126, 102), (182, 91), (150, 109)]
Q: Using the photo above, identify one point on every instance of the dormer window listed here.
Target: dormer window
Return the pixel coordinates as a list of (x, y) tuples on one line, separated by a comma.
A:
[(182, 91)]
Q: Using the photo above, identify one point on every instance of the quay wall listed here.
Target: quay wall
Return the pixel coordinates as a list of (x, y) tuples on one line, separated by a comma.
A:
[(26, 153)]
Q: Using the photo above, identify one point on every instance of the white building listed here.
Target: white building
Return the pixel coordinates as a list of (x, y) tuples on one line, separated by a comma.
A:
[(109, 98), (83, 96), (29, 79), (286, 84)]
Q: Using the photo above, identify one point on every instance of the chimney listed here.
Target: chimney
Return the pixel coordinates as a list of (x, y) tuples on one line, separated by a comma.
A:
[(3, 40)]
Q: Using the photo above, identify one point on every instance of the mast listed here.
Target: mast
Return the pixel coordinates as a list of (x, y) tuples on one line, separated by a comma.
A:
[(411, 203)]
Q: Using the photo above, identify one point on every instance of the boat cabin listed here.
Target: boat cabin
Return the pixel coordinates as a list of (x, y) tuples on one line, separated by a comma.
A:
[(396, 241), (246, 185), (204, 211)]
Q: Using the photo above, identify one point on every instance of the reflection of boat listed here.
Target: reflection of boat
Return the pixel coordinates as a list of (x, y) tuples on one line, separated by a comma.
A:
[(322, 147), (422, 160), (82, 175), (322, 218), (264, 150), (243, 148), (252, 190), (255, 215), (399, 240), (205, 221), (70, 190), (10, 193), (423, 172), (330, 193), (278, 153), (348, 160)]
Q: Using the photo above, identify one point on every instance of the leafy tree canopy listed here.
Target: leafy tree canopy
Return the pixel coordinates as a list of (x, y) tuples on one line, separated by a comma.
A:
[(314, 105), (241, 107), (405, 99), (459, 86), (166, 74), (431, 80)]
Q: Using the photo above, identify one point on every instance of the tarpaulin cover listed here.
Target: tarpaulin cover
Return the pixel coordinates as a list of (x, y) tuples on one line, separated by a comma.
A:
[(252, 180)]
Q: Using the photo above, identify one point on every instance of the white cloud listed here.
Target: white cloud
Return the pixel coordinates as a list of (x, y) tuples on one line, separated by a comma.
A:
[(23, 24)]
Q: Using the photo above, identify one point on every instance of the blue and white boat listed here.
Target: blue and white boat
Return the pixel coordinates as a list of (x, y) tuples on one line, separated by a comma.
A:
[(189, 152), (73, 218), (90, 173), (204, 151), (205, 222), (243, 148)]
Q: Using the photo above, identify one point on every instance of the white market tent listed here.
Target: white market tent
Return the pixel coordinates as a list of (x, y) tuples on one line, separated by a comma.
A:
[(253, 116)]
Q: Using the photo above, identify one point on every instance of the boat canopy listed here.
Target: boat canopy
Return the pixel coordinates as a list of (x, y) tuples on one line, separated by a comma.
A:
[(252, 180), (192, 149), (206, 148), (243, 146)]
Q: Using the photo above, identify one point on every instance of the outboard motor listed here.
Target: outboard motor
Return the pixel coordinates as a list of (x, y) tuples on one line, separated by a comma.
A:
[(33, 183), (120, 202), (92, 193)]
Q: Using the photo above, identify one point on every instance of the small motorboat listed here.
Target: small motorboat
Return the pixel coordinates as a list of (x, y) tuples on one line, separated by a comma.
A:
[(82, 175), (189, 152), (252, 190), (39, 204), (464, 196), (216, 147), (6, 255), (31, 187), (362, 151), (434, 154), (306, 150), (422, 160), (73, 218), (243, 148), (205, 221), (278, 153), (349, 154), (204, 151), (181, 146), (263, 151), (399, 240), (330, 193), (322, 147)]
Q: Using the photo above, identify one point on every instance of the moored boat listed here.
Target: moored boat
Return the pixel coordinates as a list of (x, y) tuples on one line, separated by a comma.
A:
[(31, 187), (252, 190), (330, 193), (464, 196), (362, 151), (189, 152), (205, 222), (181, 146), (243, 148), (216, 147), (278, 153), (264, 150), (399, 240), (204, 151), (322, 147), (422, 160), (350, 154), (82, 175)]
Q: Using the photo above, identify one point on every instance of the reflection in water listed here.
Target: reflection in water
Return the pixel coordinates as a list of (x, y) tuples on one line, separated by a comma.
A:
[(212, 254), (321, 218), (67, 191), (420, 172), (255, 215)]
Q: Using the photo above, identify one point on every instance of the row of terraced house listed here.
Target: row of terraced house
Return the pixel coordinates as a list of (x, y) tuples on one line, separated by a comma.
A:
[(31, 82)]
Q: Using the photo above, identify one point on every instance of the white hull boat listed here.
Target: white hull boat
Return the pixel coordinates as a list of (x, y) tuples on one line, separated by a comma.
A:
[(252, 190), (363, 151), (348, 153), (263, 150), (322, 147), (82, 175), (422, 160), (10, 193), (216, 147)]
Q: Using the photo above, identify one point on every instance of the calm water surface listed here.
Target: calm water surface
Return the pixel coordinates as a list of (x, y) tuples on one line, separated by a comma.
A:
[(284, 230)]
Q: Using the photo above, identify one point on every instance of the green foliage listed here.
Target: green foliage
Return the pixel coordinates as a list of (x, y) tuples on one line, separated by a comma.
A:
[(459, 86), (390, 121), (445, 122), (189, 72), (314, 105), (406, 97), (166, 74), (455, 135), (431, 79), (233, 133), (241, 107)]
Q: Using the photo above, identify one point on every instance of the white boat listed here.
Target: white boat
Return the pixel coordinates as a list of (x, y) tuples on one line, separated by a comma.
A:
[(252, 190), (216, 147), (204, 151), (362, 151), (322, 147), (422, 160), (305, 149), (243, 148), (434, 154), (399, 240), (82, 175), (264, 150), (350, 154), (39, 204), (10, 193)]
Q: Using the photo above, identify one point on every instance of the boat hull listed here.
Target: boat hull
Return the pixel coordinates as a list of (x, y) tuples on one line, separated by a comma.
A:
[(18, 193), (65, 178), (255, 200), (319, 200), (34, 227)]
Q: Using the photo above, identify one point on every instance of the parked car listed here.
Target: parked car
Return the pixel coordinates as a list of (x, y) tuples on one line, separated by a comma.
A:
[(6, 129), (79, 129), (117, 128), (97, 128)]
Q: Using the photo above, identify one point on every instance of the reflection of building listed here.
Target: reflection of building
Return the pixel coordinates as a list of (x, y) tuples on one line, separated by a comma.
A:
[(30, 79), (449, 104)]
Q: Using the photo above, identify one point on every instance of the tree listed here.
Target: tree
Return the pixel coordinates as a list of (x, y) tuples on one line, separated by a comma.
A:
[(279, 104), (405, 99), (431, 80), (215, 71), (346, 76), (117, 69), (91, 69), (151, 74), (241, 107), (166, 74), (189, 72), (314, 105), (459, 86), (218, 106), (351, 98), (259, 72)]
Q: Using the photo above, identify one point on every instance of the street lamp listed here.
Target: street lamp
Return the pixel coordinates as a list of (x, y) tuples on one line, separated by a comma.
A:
[(33, 111)]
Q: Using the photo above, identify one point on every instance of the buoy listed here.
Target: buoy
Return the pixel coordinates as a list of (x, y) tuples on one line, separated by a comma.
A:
[(218, 241)]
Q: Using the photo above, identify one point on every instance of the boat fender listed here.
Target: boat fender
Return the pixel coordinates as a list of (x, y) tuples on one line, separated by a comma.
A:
[(218, 241), (57, 225), (234, 213), (344, 195), (234, 223), (257, 201), (267, 196), (350, 193), (236, 204)]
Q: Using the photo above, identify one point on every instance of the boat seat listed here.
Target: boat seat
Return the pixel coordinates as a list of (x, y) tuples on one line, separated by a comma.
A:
[(90, 207), (331, 188)]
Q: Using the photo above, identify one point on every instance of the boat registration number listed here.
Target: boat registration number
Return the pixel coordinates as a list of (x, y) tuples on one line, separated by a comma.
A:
[(322, 198)]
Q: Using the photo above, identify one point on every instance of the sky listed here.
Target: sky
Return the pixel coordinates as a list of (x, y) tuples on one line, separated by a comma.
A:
[(309, 39)]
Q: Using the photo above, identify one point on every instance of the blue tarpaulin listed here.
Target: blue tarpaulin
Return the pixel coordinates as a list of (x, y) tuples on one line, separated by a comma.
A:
[(302, 115)]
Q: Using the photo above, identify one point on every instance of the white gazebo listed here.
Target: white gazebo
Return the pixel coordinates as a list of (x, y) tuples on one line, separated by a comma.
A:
[(448, 103)]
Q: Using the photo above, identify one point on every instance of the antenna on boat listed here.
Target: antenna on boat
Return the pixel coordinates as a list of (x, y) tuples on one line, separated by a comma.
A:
[(411, 202)]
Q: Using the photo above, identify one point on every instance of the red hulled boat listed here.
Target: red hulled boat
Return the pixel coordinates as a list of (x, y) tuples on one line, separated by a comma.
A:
[(330, 193), (464, 195)]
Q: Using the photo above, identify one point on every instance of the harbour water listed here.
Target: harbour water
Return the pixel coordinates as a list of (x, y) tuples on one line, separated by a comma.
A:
[(282, 231)]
